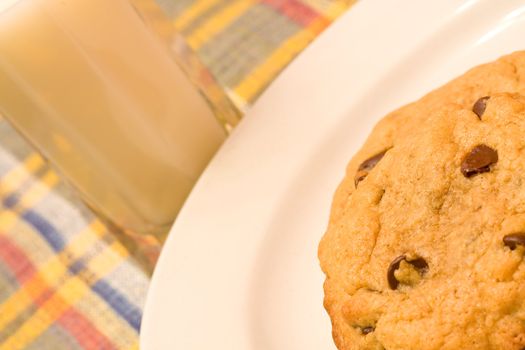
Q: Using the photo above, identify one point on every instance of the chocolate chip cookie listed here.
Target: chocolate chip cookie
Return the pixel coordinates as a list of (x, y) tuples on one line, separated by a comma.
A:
[(426, 242)]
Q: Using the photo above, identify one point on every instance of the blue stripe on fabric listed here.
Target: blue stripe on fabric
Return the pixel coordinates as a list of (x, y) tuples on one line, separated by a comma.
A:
[(118, 302), (45, 228)]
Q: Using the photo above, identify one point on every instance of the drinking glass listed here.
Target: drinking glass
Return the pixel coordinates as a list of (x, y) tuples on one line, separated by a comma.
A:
[(109, 93)]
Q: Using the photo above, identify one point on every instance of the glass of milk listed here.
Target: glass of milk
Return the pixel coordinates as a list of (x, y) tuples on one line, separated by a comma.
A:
[(101, 88)]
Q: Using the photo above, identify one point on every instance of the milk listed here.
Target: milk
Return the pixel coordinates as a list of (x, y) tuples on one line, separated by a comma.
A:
[(100, 95)]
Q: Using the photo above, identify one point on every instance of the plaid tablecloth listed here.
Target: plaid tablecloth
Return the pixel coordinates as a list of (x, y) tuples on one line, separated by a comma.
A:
[(65, 281)]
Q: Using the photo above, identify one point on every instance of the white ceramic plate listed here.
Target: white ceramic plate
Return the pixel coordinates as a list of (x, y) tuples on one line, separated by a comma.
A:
[(239, 270)]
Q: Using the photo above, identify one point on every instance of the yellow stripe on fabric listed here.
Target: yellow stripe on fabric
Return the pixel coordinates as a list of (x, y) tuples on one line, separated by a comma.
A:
[(266, 71), (100, 230), (15, 177), (14, 306), (98, 227), (219, 21), (67, 294), (192, 13), (102, 263), (85, 239), (7, 219), (330, 9), (337, 8), (38, 190), (134, 346)]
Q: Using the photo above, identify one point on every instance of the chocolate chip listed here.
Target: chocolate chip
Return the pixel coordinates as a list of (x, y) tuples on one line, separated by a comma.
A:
[(480, 106), (478, 160), (366, 167), (367, 330), (513, 240), (394, 265), (420, 264)]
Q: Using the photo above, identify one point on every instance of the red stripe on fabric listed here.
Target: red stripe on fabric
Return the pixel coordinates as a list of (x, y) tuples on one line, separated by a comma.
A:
[(295, 10), (84, 332), (16, 260)]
